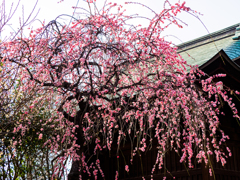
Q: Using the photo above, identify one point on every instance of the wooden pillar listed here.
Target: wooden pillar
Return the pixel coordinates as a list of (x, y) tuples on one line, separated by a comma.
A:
[(205, 173)]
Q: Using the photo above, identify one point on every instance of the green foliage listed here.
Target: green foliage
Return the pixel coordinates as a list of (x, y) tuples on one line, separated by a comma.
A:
[(23, 155)]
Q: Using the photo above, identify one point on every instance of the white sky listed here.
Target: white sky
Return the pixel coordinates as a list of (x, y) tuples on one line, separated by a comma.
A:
[(217, 14)]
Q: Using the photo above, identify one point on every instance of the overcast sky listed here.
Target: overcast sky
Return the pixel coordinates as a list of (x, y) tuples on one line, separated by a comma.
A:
[(217, 14)]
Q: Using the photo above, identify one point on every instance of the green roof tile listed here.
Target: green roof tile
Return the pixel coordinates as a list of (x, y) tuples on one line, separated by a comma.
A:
[(233, 50), (200, 50)]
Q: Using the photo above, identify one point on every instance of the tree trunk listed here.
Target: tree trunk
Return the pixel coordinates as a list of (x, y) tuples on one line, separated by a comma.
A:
[(76, 169), (74, 173)]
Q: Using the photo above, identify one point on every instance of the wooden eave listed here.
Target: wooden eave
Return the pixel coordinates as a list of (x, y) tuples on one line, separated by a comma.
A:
[(221, 63)]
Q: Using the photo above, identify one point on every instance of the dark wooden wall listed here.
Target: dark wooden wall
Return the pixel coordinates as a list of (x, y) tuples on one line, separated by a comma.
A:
[(231, 171), (143, 166)]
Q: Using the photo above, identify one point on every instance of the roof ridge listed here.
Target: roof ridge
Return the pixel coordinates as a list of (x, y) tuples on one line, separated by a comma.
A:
[(229, 31)]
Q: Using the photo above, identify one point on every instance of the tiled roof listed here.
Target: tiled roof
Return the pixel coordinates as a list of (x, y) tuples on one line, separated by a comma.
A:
[(233, 50), (200, 50)]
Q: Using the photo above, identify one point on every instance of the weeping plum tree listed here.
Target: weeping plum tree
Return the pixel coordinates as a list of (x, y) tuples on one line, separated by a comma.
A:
[(111, 82)]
